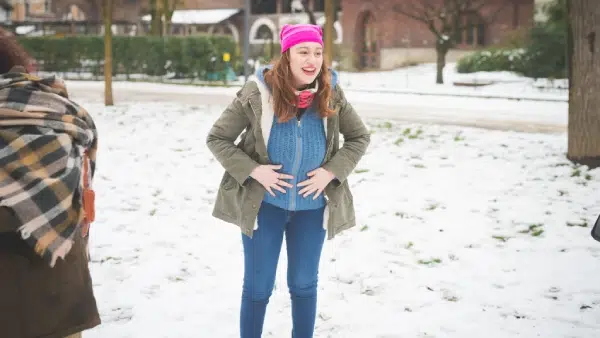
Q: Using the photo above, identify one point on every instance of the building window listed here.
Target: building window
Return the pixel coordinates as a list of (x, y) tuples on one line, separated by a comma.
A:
[(264, 33), (474, 31), (27, 9), (286, 6), (319, 5), (47, 6), (515, 15), (264, 7)]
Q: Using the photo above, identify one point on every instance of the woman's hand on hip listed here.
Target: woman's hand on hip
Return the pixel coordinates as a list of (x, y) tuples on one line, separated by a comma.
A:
[(270, 179), (319, 179)]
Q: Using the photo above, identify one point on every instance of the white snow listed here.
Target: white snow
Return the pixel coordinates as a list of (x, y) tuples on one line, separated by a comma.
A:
[(421, 79), (199, 16), (438, 250)]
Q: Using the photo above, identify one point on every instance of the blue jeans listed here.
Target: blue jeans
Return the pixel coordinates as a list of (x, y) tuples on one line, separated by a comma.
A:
[(304, 236)]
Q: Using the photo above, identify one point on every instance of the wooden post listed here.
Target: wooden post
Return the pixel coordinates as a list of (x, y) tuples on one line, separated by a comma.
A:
[(329, 29), (108, 95)]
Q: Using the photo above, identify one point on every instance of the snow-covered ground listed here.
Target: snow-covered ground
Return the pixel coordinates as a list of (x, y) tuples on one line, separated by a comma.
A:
[(421, 79), (520, 115), (461, 233)]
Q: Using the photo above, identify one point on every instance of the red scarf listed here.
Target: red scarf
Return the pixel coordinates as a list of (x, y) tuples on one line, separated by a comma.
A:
[(305, 97)]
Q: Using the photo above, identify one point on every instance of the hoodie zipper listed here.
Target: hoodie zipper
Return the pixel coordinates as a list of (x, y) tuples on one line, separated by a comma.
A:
[(296, 165)]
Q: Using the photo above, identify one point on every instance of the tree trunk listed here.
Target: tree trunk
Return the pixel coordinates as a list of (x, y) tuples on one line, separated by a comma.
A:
[(156, 18), (311, 16), (169, 10), (441, 52), (108, 95), (329, 30), (584, 82)]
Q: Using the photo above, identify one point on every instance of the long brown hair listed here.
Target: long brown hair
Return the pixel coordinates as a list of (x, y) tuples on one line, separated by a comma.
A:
[(12, 53), (281, 82)]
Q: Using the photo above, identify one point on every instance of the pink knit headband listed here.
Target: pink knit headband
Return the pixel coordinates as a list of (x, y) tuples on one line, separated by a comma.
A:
[(292, 35)]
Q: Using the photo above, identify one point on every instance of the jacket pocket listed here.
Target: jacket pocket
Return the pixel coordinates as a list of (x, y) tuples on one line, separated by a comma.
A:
[(228, 182), (341, 203)]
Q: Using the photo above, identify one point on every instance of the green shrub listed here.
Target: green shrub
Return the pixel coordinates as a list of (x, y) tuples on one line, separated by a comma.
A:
[(491, 60), (185, 57), (542, 55)]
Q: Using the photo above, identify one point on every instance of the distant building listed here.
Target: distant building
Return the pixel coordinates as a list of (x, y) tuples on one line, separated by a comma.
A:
[(378, 37), (227, 17), (5, 10)]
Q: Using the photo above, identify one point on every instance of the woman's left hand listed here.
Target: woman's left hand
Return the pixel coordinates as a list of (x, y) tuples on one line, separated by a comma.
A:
[(319, 178)]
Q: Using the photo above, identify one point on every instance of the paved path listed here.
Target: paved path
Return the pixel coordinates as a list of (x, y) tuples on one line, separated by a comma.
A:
[(543, 117)]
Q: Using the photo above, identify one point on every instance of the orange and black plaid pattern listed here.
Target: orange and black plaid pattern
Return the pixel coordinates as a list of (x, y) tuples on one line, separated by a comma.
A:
[(43, 137)]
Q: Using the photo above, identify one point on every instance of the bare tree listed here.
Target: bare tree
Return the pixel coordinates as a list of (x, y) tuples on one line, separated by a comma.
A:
[(161, 13), (328, 32), (446, 20), (168, 8), (108, 13), (584, 82), (311, 16)]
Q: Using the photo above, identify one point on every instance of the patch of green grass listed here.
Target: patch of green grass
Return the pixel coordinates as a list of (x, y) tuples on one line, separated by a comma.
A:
[(110, 258), (430, 261), (583, 224), (364, 228), (503, 239), (432, 206), (399, 141), (451, 298), (361, 171), (576, 172), (409, 245), (537, 232), (386, 125), (458, 138), (409, 133), (534, 230)]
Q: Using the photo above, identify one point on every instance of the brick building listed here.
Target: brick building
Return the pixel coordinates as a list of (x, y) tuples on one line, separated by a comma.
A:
[(377, 36), (227, 17), (6, 9), (77, 10)]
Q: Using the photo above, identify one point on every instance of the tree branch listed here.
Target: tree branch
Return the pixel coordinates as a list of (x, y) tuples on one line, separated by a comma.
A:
[(426, 13)]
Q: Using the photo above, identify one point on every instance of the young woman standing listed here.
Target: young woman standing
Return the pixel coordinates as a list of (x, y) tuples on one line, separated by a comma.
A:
[(287, 175)]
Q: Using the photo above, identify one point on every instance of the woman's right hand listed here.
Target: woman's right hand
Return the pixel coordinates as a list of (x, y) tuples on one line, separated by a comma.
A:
[(270, 179)]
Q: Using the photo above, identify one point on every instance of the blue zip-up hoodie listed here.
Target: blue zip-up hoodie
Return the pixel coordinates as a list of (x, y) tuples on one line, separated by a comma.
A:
[(299, 146)]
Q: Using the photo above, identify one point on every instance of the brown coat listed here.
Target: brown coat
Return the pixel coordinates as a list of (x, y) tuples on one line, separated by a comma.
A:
[(37, 301)]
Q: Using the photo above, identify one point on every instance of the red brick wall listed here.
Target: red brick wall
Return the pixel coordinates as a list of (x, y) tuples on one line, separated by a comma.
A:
[(394, 30)]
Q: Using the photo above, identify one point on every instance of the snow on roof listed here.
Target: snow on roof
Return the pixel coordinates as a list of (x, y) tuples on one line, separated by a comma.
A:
[(199, 16), (22, 30)]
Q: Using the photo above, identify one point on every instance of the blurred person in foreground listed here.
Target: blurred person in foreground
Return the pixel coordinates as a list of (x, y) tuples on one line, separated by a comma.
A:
[(47, 162)]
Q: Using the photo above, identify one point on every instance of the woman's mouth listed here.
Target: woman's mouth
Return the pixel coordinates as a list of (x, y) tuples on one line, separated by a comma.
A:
[(310, 71)]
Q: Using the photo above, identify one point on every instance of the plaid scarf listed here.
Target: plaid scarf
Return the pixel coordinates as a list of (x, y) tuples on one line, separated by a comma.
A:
[(43, 139)]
